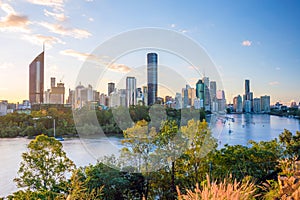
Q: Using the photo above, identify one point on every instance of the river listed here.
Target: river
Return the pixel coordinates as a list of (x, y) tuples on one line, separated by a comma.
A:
[(244, 127)]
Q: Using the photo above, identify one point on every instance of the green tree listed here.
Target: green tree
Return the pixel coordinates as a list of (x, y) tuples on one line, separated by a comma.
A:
[(291, 143), (170, 146), (44, 166), (200, 144), (139, 146)]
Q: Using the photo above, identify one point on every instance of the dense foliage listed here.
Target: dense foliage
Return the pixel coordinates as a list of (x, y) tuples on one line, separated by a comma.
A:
[(156, 160), (89, 121)]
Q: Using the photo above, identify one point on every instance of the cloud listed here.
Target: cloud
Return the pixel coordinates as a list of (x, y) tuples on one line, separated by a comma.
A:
[(56, 4), (57, 16), (183, 31), (274, 83), (122, 68), (246, 43), (13, 21), (277, 68), (173, 25), (79, 55), (119, 68), (40, 39), (61, 30), (91, 19)]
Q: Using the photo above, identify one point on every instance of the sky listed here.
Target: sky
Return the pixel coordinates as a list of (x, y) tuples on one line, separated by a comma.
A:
[(255, 40)]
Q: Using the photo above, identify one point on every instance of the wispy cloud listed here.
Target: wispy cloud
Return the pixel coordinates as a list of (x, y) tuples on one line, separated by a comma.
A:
[(56, 4), (274, 83), (40, 39), (13, 21), (79, 55), (61, 30), (119, 68), (277, 68), (183, 31), (173, 25), (122, 68), (57, 16), (246, 43)]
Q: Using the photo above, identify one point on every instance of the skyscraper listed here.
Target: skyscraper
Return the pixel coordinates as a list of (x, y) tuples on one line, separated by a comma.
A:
[(200, 92), (213, 90), (247, 87), (256, 105), (111, 88), (55, 95), (248, 96), (265, 103), (130, 91), (36, 80), (206, 93), (152, 77)]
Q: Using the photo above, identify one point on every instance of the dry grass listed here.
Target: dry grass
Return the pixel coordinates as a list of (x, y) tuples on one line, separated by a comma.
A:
[(225, 190), (289, 182)]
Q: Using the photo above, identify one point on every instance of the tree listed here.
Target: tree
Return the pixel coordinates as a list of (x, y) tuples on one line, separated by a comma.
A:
[(44, 166), (170, 146), (200, 144), (291, 143), (139, 146)]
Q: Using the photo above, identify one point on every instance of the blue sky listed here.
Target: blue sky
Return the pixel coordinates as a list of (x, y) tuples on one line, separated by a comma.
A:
[(256, 40)]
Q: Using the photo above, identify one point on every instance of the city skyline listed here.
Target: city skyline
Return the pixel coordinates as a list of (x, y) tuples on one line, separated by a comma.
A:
[(261, 45)]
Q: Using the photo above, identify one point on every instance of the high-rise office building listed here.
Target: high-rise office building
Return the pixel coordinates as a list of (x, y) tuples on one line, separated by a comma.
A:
[(248, 96), (145, 95), (185, 94), (200, 87), (55, 95), (152, 77), (111, 88), (247, 87), (256, 105), (130, 91), (221, 101), (213, 90), (206, 93), (265, 104), (36, 80), (238, 104)]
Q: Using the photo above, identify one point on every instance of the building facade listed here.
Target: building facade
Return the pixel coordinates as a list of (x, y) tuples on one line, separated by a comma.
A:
[(36, 80), (256, 105), (265, 104), (152, 78), (130, 91), (55, 95), (110, 88)]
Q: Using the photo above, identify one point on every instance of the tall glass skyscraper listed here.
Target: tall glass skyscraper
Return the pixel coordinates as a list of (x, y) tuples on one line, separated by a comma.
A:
[(110, 88), (200, 90), (247, 87), (36, 80), (152, 77)]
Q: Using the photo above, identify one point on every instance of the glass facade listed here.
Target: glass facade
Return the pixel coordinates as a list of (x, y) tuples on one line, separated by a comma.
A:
[(152, 77), (36, 80)]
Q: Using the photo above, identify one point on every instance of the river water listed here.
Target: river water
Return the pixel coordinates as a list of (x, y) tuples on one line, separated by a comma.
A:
[(243, 128)]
